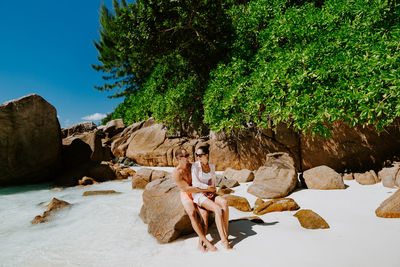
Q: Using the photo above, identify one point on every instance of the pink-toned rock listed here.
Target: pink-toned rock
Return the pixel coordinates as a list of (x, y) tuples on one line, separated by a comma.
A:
[(238, 202), (366, 178), (311, 220), (30, 141), (280, 204), (348, 176), (141, 178), (275, 180), (390, 176), (162, 210), (323, 177), (54, 205), (390, 208), (242, 176)]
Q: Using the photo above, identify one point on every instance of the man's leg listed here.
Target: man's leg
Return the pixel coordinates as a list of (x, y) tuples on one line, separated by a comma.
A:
[(204, 217), (190, 209)]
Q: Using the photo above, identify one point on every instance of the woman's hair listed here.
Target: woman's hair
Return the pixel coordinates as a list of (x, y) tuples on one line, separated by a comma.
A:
[(205, 149)]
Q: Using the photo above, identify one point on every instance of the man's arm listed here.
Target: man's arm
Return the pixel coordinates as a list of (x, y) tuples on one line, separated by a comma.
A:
[(183, 185)]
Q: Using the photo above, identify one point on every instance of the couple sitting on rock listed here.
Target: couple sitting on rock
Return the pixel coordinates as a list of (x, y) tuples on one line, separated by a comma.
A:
[(197, 184)]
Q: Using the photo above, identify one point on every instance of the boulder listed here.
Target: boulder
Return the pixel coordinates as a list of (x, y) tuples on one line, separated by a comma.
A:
[(54, 205), (357, 148), (277, 179), (125, 173), (159, 174), (222, 180), (99, 192), (162, 210), (390, 176), (280, 204), (87, 181), (114, 127), (348, 176), (242, 176), (141, 178), (223, 190), (258, 202), (323, 177), (390, 208), (239, 203), (366, 178), (92, 139), (30, 141), (78, 128), (120, 142), (311, 220)]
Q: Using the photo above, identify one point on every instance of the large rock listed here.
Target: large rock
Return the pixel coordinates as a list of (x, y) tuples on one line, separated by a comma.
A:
[(142, 147), (222, 180), (54, 205), (238, 202), (114, 127), (141, 178), (30, 141), (366, 178), (275, 180), (78, 128), (323, 177), (358, 148), (311, 220), (390, 208), (162, 210), (73, 148), (120, 142), (242, 176), (390, 176), (248, 149), (280, 204)]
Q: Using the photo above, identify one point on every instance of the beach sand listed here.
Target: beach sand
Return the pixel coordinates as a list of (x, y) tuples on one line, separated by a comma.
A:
[(106, 231)]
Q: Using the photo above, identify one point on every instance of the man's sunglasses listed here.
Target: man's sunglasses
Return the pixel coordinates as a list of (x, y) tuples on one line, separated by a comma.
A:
[(199, 155), (186, 156)]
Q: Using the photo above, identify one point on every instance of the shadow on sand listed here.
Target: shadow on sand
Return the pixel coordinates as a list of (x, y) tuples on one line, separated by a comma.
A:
[(240, 229)]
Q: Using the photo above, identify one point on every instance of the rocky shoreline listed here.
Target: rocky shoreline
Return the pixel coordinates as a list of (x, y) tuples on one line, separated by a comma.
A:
[(84, 154)]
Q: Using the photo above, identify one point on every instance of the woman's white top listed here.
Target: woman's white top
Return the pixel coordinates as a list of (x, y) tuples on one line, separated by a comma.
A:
[(202, 180)]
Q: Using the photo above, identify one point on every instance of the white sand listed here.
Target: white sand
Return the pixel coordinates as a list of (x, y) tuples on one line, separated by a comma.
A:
[(106, 231)]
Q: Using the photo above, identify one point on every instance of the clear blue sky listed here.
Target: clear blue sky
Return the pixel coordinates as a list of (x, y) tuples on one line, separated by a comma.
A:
[(46, 48)]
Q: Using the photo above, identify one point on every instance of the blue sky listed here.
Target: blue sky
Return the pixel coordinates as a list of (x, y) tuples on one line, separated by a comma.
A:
[(46, 48)]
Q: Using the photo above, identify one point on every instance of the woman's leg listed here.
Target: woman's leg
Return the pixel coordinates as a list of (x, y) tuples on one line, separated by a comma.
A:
[(224, 204), (190, 209), (214, 207)]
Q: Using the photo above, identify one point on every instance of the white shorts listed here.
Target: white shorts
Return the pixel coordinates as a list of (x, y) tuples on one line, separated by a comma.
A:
[(199, 198)]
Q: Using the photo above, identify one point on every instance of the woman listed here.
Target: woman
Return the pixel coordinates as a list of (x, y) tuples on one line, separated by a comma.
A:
[(203, 175)]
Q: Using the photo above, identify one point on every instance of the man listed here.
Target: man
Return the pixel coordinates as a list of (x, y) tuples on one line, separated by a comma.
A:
[(183, 178)]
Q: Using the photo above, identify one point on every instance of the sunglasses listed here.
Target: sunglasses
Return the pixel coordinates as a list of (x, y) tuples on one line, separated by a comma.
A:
[(186, 156), (200, 155)]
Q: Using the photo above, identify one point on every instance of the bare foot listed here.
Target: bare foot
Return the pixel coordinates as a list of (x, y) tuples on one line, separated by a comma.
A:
[(209, 246), (226, 245), (201, 247)]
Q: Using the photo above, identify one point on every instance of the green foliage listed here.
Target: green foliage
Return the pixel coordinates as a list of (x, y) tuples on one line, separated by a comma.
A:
[(229, 65), (161, 56), (309, 66)]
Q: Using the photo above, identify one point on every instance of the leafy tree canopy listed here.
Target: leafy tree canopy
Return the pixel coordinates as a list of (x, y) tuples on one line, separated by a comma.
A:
[(227, 65)]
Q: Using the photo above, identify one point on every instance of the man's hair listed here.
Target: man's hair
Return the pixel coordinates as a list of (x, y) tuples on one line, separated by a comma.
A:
[(178, 152), (205, 149)]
